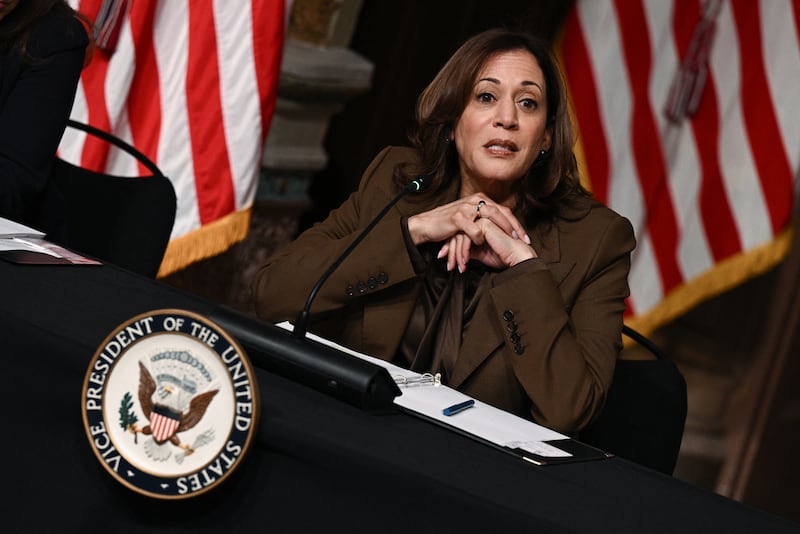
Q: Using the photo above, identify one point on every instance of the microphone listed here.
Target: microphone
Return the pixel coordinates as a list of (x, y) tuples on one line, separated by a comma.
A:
[(419, 184), (356, 381)]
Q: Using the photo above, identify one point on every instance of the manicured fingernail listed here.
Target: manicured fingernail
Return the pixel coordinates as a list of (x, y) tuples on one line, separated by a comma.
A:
[(527, 239), (441, 253), (514, 234)]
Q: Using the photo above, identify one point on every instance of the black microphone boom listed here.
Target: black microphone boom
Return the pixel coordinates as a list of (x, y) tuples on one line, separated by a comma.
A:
[(415, 186), (351, 379)]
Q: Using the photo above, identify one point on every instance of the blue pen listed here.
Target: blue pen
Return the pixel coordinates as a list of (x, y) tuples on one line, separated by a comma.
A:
[(460, 407)]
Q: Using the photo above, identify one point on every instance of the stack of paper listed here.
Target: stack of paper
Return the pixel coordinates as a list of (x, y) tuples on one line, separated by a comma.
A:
[(22, 244)]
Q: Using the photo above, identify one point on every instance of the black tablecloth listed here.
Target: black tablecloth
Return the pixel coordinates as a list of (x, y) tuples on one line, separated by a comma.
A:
[(318, 464)]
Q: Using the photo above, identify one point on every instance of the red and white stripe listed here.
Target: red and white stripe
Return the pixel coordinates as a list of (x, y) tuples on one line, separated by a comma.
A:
[(715, 185), (163, 427), (193, 85)]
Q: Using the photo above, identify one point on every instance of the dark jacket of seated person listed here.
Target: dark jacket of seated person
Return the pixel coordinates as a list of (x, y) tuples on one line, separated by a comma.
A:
[(41, 58), (505, 275)]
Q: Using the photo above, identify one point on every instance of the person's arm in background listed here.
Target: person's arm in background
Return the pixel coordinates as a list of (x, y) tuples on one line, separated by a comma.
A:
[(34, 115)]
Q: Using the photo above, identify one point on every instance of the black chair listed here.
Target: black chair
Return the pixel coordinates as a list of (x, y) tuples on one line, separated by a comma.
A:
[(645, 412), (126, 221)]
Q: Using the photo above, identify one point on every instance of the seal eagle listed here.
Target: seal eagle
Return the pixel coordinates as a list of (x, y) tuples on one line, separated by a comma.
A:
[(167, 410)]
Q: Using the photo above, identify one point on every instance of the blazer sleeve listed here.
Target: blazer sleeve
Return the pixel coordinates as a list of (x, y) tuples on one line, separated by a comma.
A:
[(282, 285), (35, 111), (569, 328)]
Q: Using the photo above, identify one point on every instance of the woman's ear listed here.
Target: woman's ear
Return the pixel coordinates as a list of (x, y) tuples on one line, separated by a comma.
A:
[(547, 142)]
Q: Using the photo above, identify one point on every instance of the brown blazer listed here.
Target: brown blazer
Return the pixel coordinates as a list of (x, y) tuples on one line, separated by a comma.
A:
[(568, 303)]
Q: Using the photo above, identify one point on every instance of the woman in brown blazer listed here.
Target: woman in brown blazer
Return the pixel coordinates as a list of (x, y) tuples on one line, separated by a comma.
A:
[(504, 275)]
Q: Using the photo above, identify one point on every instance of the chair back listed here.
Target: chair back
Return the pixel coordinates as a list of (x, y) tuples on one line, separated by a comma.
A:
[(645, 411), (126, 221)]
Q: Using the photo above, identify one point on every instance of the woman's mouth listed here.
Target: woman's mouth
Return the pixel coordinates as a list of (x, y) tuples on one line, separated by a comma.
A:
[(500, 146)]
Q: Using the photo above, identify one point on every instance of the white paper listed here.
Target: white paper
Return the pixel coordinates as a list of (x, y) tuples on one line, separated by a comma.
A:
[(15, 238), (482, 420), (9, 228)]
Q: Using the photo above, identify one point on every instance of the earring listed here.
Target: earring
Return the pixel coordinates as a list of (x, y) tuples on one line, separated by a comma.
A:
[(541, 156)]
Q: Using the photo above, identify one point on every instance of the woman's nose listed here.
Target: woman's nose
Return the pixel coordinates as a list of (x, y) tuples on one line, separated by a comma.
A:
[(506, 115)]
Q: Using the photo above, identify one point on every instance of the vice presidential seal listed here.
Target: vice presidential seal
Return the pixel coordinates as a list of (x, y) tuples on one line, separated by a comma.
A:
[(170, 404)]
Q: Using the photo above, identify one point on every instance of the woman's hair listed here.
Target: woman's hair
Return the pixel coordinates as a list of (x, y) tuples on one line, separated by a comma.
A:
[(551, 179), (16, 26)]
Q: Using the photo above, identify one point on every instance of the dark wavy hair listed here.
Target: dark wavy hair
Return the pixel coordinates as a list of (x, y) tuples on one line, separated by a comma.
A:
[(16, 27), (552, 179)]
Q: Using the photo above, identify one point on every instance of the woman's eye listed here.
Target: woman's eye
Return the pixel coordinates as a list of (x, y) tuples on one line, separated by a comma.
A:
[(485, 98), (528, 103)]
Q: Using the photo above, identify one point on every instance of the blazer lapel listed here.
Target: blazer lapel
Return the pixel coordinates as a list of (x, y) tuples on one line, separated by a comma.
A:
[(480, 340), (389, 316), (547, 243)]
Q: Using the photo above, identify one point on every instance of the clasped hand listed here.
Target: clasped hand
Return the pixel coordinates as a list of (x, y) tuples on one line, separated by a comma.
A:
[(490, 234)]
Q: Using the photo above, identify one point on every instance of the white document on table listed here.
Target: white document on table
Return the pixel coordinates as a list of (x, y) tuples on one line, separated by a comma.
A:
[(482, 420), (16, 237), (25, 245)]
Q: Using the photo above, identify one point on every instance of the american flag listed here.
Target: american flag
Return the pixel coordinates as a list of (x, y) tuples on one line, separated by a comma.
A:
[(689, 126), (192, 84)]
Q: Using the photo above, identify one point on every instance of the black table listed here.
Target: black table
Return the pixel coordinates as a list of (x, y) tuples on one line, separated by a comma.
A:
[(318, 464)]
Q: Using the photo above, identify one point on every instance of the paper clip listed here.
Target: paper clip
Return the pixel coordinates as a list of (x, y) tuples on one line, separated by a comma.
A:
[(426, 379)]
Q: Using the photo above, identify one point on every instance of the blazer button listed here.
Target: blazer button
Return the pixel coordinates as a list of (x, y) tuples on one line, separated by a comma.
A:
[(508, 315), (349, 290), (515, 337), (362, 287), (383, 278), (372, 282), (519, 348), (511, 326)]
